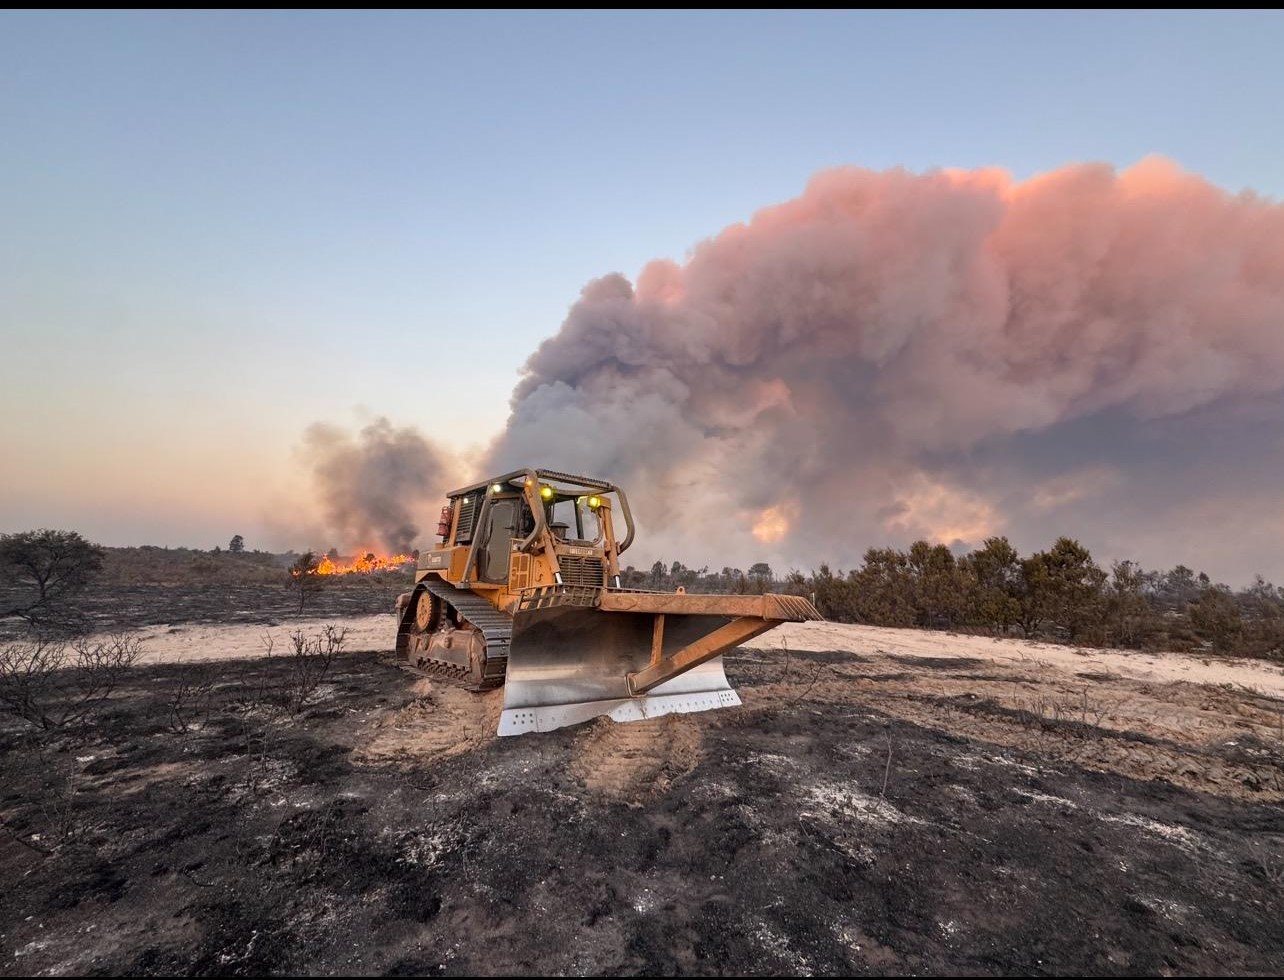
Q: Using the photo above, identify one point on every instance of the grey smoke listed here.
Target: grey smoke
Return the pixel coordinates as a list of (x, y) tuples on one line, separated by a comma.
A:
[(949, 355), (374, 485)]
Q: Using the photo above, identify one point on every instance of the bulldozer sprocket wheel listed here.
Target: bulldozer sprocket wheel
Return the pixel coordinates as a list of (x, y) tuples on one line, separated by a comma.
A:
[(428, 609)]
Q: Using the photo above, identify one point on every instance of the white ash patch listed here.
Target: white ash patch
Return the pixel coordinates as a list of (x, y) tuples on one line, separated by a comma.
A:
[(1046, 799), (264, 777), (856, 851), (645, 901), (778, 946), (960, 792), (502, 774), (714, 790), (854, 750), (972, 762), (1003, 760), (323, 692), (1165, 907), (833, 801), (771, 761), (572, 804), (425, 847), (848, 936), (1174, 834)]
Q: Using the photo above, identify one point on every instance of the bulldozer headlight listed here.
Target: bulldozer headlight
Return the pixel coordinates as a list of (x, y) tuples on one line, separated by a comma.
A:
[(495, 488), (546, 492), (595, 502)]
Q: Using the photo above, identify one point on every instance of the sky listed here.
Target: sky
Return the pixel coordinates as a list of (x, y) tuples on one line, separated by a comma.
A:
[(222, 228)]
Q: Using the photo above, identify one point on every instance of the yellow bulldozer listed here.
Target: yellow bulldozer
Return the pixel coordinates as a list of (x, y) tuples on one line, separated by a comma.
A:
[(524, 591)]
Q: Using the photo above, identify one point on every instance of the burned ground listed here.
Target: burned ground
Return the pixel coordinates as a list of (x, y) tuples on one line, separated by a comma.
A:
[(933, 823), (115, 607)]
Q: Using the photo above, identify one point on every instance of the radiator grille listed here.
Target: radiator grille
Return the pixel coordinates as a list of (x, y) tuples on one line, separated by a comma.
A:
[(583, 571), (467, 514)]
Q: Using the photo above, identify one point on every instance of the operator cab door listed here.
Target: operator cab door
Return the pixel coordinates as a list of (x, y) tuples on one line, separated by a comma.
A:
[(499, 540)]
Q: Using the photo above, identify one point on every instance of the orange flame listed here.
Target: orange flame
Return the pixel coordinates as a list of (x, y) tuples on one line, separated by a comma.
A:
[(363, 564)]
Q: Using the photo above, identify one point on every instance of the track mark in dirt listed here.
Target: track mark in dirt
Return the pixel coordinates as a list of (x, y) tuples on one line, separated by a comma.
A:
[(636, 761), (444, 720)]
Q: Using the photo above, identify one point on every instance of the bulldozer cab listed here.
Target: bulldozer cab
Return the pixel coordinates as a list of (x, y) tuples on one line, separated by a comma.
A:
[(529, 530), (567, 520)]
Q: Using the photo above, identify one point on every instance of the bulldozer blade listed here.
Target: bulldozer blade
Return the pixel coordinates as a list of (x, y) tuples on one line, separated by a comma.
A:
[(568, 664)]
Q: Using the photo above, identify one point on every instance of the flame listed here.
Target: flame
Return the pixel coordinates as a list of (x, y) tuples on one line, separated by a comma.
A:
[(363, 564)]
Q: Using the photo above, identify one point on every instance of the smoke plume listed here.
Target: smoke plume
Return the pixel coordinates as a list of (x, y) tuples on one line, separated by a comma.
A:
[(373, 485), (951, 355)]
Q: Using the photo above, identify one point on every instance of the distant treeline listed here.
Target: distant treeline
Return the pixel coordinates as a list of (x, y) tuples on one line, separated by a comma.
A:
[(1059, 594)]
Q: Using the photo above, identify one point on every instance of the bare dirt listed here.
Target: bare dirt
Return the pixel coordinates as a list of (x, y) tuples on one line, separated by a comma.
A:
[(875, 806)]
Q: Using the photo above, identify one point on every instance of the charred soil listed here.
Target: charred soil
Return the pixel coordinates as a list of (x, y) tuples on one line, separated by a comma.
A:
[(113, 607), (858, 815)]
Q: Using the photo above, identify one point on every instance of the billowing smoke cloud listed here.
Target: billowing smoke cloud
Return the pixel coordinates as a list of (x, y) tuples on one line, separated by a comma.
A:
[(950, 355), (373, 485)]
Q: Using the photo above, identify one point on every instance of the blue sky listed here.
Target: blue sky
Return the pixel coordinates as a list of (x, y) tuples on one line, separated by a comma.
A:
[(221, 227)]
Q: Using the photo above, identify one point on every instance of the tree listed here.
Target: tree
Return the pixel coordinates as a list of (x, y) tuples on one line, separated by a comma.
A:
[(43, 569), (936, 585), (304, 577), (1216, 618), (796, 583), (996, 573), (1178, 588), (884, 589), (681, 576), (1262, 608), (834, 594), (658, 575), (1129, 620), (1063, 586), (761, 577), (236, 545)]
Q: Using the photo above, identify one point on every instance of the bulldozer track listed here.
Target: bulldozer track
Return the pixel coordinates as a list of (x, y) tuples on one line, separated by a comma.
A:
[(438, 668), (495, 626)]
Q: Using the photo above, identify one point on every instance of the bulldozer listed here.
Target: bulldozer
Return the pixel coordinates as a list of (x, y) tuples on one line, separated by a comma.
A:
[(524, 591)]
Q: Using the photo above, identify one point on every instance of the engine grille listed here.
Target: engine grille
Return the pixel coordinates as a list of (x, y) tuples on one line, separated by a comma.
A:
[(582, 571), (467, 514)]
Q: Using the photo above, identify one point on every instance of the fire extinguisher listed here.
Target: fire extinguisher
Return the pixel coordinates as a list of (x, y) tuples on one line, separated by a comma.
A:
[(443, 524)]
